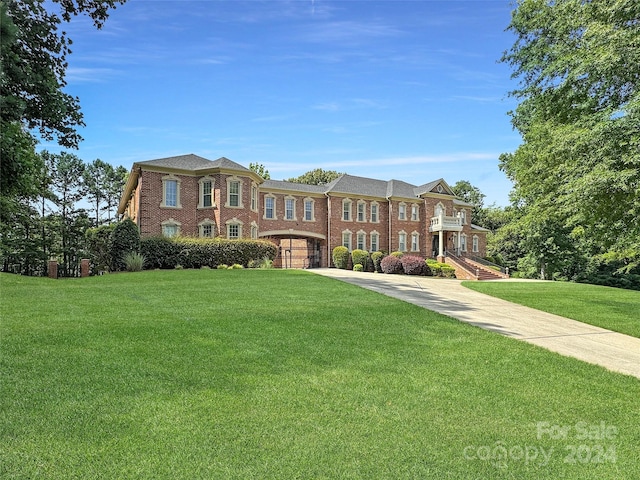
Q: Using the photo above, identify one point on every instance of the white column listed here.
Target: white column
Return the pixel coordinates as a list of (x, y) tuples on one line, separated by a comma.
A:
[(441, 244)]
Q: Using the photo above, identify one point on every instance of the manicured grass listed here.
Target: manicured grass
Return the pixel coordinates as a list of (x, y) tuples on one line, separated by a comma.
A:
[(285, 374), (611, 308)]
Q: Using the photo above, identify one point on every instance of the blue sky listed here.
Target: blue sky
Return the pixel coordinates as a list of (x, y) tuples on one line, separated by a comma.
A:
[(409, 90)]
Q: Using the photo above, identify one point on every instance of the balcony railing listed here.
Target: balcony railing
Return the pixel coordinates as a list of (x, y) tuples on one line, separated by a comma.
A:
[(443, 222)]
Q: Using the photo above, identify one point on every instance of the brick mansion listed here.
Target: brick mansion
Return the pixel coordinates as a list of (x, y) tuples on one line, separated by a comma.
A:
[(193, 196)]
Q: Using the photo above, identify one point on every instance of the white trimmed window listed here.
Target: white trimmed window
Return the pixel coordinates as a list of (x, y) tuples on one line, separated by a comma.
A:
[(463, 242), (475, 245), (309, 210), (346, 238), (415, 242), (289, 208), (254, 197), (375, 212), (361, 240), (402, 241), (254, 230), (207, 228), (206, 192), (463, 215), (270, 207), (170, 228), (415, 212), (402, 211), (439, 209), (234, 192), (234, 229), (346, 209), (171, 192), (362, 211), (375, 241)]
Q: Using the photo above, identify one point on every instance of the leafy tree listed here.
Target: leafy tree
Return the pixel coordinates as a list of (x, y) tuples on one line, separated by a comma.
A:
[(470, 194), (96, 179), (316, 177), (115, 187), (578, 168), (125, 239), (260, 170), (33, 55)]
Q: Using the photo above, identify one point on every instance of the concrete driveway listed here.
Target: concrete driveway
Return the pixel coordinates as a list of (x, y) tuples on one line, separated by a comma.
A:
[(615, 351)]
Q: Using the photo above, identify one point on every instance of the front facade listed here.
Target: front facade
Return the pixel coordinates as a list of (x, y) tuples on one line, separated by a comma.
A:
[(190, 195)]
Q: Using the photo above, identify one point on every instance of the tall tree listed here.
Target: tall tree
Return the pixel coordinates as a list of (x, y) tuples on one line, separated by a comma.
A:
[(470, 194), (97, 180), (260, 170), (115, 188), (67, 173), (578, 167), (33, 55), (317, 176)]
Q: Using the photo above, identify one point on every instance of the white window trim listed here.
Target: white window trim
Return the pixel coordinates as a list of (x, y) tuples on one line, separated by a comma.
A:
[(234, 221), (202, 224), (361, 234), (255, 197), (463, 242), (435, 209), (475, 244), (201, 191), (402, 233), (347, 201), (293, 199), (371, 237), (415, 207), (264, 213), (350, 234), (254, 231), (313, 210), (364, 211), (400, 205), (168, 222), (377, 205), (415, 235), (164, 191), (230, 180)]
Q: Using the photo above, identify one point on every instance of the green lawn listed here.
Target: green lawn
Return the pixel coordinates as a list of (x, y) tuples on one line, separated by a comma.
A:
[(285, 374), (611, 308)]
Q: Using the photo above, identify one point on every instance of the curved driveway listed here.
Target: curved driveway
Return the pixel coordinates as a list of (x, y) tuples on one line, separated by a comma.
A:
[(615, 351)]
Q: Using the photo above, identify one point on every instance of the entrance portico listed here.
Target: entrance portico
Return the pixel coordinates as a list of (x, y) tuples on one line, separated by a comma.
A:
[(441, 224)]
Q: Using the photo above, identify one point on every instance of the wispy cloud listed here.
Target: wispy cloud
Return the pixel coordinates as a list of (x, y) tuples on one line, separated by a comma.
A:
[(348, 32), (88, 74), (349, 104)]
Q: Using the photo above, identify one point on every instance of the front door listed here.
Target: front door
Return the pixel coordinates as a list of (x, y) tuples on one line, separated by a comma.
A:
[(434, 246)]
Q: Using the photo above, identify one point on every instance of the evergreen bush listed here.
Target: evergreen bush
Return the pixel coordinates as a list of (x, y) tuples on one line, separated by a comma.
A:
[(376, 258), (340, 256), (358, 267), (359, 256), (125, 239)]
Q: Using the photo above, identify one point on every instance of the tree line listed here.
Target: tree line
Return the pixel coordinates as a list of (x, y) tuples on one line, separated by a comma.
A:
[(50, 220)]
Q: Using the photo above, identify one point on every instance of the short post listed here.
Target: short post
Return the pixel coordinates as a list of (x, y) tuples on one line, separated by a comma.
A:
[(507, 271), (477, 274), (53, 269), (84, 267)]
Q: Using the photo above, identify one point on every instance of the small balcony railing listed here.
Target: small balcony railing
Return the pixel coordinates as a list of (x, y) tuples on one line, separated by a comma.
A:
[(445, 223)]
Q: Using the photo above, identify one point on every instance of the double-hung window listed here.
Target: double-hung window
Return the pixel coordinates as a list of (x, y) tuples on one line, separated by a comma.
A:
[(361, 242), (234, 194), (362, 212), (346, 210), (374, 213), (308, 210), (269, 209), (289, 209), (402, 211), (402, 242), (375, 241)]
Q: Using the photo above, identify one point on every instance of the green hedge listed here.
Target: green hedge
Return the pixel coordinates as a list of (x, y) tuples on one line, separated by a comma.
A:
[(359, 257), (125, 239), (376, 258), (163, 252), (441, 269)]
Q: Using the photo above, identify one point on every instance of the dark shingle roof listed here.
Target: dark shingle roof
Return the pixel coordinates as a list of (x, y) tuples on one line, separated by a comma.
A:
[(357, 185), (184, 162), (294, 187)]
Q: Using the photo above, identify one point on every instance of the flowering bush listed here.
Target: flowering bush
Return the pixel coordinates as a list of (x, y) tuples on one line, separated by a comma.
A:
[(391, 264), (413, 265)]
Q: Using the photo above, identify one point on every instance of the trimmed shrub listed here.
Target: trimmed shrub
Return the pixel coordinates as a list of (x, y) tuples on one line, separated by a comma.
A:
[(358, 267), (413, 265), (134, 262), (162, 252), (125, 239), (376, 258), (438, 269), (359, 256), (99, 246), (448, 271), (391, 264), (340, 256), (397, 254)]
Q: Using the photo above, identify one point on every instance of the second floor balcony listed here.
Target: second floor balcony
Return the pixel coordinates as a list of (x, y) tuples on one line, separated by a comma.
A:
[(443, 223)]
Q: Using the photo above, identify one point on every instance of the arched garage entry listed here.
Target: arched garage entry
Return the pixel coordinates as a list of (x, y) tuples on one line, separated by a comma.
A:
[(297, 248)]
